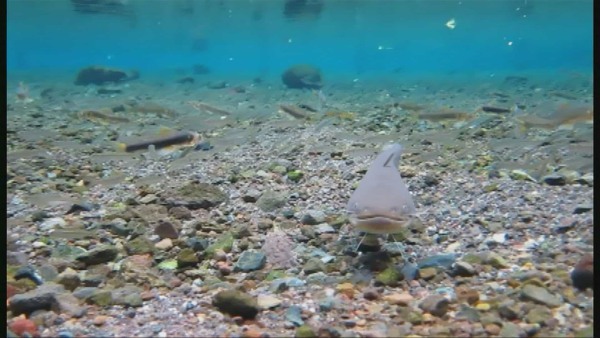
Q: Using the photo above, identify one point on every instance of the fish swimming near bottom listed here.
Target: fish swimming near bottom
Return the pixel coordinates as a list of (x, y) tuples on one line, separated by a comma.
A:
[(382, 203), (173, 140)]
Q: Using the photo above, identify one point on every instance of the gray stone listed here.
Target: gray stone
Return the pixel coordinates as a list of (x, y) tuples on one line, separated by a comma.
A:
[(98, 255), (510, 330), (139, 246), (326, 304), (250, 261), (69, 278), (313, 217), (182, 213), (195, 195), (271, 201), (410, 271), (554, 179), (52, 223), (464, 269), (313, 265), (236, 303), (101, 298), (323, 228), (444, 261), (166, 229), (268, 301), (68, 253), (251, 196), (283, 283), (538, 315), (127, 296), (294, 315), (435, 304), (509, 310), (85, 292), (48, 272), (540, 295), (587, 179), (148, 199), (580, 209), (41, 298), (187, 257), (468, 313), (69, 304)]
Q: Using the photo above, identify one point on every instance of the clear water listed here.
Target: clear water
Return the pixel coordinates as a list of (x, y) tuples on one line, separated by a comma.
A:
[(345, 39)]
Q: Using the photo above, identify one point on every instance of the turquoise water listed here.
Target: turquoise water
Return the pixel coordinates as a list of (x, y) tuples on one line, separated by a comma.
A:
[(342, 38)]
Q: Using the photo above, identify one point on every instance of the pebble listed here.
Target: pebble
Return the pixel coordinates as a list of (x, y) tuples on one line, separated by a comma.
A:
[(435, 304), (443, 261), (166, 229), (51, 223), (21, 327), (250, 261), (268, 301), (371, 294), (180, 212), (164, 244), (427, 273), (100, 320), (583, 208), (346, 289), (324, 228), (251, 195), (148, 199), (41, 298), (403, 299), (466, 294), (30, 273), (98, 255), (270, 201), (464, 269), (582, 275), (236, 303), (313, 265), (540, 295), (294, 315), (313, 217), (554, 179)]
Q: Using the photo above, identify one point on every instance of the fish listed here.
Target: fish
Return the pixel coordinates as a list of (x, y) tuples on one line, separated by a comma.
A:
[(445, 114), (382, 203), (342, 115), (103, 116), (173, 140), (150, 108), (209, 109), (295, 112), (490, 109)]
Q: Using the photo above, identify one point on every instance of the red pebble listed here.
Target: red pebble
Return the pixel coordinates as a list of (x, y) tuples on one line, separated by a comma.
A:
[(21, 326), (10, 291)]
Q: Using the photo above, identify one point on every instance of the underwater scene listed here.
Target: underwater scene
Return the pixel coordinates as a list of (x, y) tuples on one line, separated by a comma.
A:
[(299, 168)]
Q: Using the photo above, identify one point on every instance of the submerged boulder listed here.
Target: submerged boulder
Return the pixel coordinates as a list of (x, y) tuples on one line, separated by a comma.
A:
[(100, 75), (302, 76)]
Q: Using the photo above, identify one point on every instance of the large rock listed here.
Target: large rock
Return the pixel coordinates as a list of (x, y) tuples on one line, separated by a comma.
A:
[(302, 76), (99, 255), (195, 195), (236, 303), (49, 296), (99, 75)]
